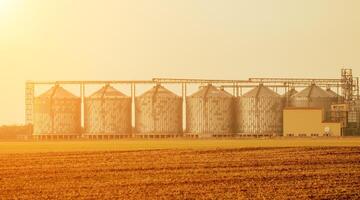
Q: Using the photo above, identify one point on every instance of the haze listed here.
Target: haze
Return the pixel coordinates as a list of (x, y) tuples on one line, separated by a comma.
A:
[(141, 39)]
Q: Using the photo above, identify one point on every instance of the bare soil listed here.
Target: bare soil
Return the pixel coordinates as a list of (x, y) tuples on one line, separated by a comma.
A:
[(247, 173)]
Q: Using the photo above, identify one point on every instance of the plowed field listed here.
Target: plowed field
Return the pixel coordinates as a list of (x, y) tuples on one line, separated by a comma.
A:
[(247, 173)]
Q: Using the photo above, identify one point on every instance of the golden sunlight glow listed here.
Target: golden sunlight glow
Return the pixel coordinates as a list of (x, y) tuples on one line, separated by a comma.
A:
[(121, 40), (8, 10), (4, 6)]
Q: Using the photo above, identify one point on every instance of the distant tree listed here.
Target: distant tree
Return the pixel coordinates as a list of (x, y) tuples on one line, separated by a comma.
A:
[(14, 131)]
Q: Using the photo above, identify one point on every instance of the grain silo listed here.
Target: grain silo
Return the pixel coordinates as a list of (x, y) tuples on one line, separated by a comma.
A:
[(338, 97), (332, 93), (158, 112), (209, 112), (259, 112), (313, 97), (57, 112), (108, 112)]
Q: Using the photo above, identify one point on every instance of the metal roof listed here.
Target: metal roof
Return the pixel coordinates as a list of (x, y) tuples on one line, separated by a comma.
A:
[(332, 93), (313, 91), (211, 91), (261, 91), (107, 92), (57, 92), (158, 90)]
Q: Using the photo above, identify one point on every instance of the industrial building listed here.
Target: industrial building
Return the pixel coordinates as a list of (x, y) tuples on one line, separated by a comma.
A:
[(219, 108), (309, 122)]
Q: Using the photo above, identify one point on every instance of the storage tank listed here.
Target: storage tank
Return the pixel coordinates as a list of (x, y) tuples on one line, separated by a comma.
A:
[(332, 93), (209, 112), (259, 112), (57, 112), (108, 112), (314, 97), (338, 97), (158, 112)]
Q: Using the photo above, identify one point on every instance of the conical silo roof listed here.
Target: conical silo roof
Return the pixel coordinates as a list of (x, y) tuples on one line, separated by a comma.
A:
[(107, 92), (261, 91), (57, 92), (313, 91), (211, 91), (159, 90), (332, 93)]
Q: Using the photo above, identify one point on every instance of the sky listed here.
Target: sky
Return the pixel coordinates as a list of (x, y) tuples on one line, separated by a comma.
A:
[(142, 39)]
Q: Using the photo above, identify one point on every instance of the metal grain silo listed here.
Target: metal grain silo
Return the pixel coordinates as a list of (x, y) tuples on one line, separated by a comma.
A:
[(158, 112), (259, 112), (339, 98), (57, 112), (210, 112), (313, 97), (332, 93), (108, 112)]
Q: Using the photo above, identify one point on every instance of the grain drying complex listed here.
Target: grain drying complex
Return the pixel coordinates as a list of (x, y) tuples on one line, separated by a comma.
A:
[(255, 107)]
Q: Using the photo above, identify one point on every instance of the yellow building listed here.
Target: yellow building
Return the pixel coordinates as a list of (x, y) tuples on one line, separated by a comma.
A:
[(308, 122)]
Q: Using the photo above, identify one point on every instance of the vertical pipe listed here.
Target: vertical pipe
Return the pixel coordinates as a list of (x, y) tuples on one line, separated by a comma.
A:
[(133, 114), (234, 89), (183, 104), (237, 90), (184, 109), (82, 110), (287, 96)]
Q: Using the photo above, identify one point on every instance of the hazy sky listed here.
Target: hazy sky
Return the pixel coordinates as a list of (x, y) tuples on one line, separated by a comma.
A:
[(141, 39)]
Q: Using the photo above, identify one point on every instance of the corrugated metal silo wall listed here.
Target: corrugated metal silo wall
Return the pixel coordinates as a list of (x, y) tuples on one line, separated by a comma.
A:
[(262, 115), (59, 116), (108, 116), (210, 116), (42, 116), (314, 102), (67, 116), (160, 115)]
